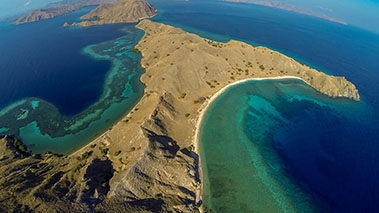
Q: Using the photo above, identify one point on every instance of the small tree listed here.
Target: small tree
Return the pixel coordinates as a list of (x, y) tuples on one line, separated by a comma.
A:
[(104, 151)]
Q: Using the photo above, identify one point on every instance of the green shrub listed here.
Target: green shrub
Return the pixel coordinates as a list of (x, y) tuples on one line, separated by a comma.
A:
[(104, 151), (157, 196), (136, 50), (117, 153), (16, 143), (81, 165), (19, 145), (22, 148), (85, 155), (187, 115), (183, 95), (262, 67)]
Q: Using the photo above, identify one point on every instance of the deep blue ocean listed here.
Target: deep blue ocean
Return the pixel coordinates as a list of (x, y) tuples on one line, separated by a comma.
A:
[(324, 152), (45, 60), (60, 87), (316, 153)]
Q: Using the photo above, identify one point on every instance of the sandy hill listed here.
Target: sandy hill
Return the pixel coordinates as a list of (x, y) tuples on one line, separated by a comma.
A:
[(125, 11)]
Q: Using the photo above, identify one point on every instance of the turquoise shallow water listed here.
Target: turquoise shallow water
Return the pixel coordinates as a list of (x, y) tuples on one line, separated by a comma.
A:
[(320, 152), (272, 146), (236, 176), (122, 90), (92, 86), (261, 123)]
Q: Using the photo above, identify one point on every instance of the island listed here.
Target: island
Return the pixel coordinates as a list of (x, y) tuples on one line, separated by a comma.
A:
[(57, 9), (125, 11), (285, 6), (149, 160)]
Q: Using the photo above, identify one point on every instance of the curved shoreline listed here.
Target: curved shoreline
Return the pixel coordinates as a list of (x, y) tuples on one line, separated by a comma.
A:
[(152, 150), (98, 117), (202, 112)]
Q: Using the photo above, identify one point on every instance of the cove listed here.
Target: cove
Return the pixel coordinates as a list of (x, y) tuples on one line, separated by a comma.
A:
[(277, 150), (96, 83), (342, 177)]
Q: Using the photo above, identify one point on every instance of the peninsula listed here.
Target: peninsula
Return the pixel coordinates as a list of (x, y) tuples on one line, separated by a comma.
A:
[(57, 9), (125, 11), (149, 160), (284, 6)]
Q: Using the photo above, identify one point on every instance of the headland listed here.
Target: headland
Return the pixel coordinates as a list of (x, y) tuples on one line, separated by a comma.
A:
[(149, 160)]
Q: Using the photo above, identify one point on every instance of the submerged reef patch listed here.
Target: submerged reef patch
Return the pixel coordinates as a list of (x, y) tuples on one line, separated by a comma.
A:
[(122, 90)]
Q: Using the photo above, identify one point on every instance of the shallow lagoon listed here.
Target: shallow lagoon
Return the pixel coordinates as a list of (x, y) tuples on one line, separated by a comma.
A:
[(69, 98), (285, 147)]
